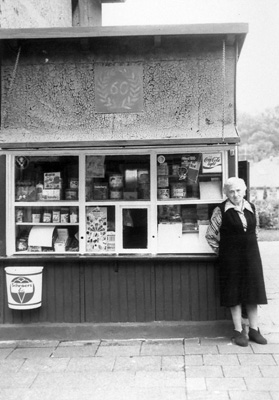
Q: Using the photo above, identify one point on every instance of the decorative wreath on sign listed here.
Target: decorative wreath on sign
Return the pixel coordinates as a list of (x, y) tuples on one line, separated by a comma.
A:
[(22, 162), (118, 89)]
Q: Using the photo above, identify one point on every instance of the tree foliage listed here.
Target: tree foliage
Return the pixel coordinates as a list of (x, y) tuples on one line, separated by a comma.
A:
[(259, 134)]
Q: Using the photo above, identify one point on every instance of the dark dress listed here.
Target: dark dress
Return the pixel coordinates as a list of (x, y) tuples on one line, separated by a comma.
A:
[(241, 273)]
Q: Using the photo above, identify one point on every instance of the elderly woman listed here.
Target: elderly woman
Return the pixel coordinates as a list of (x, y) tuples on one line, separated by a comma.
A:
[(232, 235)]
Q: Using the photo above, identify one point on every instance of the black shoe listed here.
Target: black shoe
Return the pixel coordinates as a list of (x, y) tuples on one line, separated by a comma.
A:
[(240, 338), (255, 336)]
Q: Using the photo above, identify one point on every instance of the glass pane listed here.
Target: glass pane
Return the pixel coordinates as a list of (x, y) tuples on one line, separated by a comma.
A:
[(46, 178), (122, 177), (47, 229), (189, 175), (186, 225), (134, 228), (100, 229)]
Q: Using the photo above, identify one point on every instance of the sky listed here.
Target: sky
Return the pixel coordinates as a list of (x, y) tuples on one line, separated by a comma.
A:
[(258, 65)]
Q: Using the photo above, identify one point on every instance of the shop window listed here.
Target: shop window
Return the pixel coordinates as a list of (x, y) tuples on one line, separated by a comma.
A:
[(113, 201)]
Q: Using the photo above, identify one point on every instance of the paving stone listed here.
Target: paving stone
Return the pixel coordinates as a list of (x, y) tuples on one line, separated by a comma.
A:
[(173, 363), (4, 353), (266, 349), (205, 395), (244, 395), (11, 366), (118, 351), (31, 352), (203, 371), (220, 359), (276, 358), (262, 384), (225, 384), (234, 349), (162, 348), (191, 359), (17, 380), (84, 380), (93, 364), (76, 351), (15, 394), (45, 365), (201, 349), (161, 393), (195, 384), (160, 379), (145, 363), (241, 371), (274, 395), (269, 371), (256, 359), (73, 394)]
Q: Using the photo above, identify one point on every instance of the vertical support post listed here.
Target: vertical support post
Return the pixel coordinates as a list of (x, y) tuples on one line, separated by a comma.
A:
[(90, 12)]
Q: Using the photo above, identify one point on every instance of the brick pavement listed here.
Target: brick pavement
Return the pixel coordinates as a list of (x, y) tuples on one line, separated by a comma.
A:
[(197, 368)]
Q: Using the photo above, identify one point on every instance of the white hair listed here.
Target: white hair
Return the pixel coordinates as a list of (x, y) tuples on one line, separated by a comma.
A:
[(232, 182)]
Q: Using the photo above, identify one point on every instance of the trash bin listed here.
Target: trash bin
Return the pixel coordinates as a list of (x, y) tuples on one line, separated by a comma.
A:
[(24, 287)]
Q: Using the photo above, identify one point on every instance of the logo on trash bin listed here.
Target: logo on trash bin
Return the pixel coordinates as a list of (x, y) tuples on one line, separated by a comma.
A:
[(22, 289)]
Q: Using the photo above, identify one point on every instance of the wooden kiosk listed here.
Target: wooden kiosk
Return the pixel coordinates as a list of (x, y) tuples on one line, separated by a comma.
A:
[(114, 146)]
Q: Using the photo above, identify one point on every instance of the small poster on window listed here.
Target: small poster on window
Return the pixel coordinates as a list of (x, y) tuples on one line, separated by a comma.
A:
[(95, 167), (211, 163)]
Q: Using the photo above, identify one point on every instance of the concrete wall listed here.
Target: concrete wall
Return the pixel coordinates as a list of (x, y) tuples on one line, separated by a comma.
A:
[(35, 13), (53, 96)]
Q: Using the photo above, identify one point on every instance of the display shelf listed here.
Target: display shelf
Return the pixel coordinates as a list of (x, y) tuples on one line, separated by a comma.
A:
[(189, 201), (139, 223), (66, 224)]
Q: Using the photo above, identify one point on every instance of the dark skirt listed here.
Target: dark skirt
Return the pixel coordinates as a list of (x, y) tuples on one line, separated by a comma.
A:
[(241, 272)]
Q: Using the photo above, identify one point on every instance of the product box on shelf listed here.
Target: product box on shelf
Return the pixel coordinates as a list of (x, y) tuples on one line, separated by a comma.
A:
[(130, 195), (71, 194), (51, 194), (46, 216), (73, 183), (100, 191), (52, 180), (61, 240)]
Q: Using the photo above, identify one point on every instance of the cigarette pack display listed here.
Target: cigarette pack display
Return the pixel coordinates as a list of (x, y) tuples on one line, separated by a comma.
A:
[(55, 216), (64, 216), (47, 216)]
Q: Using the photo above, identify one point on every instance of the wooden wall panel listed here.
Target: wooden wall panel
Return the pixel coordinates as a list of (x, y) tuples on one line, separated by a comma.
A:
[(120, 291), (187, 292), (2, 204)]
